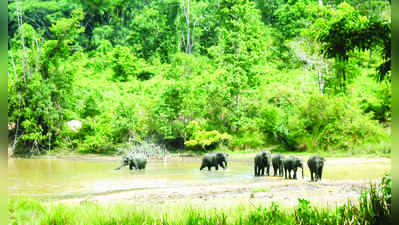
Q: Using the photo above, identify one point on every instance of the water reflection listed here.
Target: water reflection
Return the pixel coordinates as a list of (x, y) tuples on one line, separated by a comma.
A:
[(52, 177)]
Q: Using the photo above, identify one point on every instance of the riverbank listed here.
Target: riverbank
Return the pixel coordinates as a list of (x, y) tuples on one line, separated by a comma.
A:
[(244, 154), (373, 208)]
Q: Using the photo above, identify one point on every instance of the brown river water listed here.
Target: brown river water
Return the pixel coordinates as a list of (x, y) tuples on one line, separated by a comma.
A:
[(178, 179)]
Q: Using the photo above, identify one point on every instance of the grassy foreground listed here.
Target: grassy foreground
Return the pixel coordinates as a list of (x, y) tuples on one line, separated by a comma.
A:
[(374, 208)]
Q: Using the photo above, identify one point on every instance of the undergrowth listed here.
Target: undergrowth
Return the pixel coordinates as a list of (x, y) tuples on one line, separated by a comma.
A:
[(374, 207)]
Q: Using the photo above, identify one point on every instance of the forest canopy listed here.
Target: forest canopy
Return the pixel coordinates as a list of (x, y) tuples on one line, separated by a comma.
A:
[(300, 75)]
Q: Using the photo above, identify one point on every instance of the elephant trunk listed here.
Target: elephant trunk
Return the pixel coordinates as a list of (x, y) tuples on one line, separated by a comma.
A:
[(122, 165)]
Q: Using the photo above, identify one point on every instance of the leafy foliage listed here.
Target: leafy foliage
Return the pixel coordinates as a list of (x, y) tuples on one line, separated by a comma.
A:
[(207, 140), (352, 31), (260, 73), (374, 208)]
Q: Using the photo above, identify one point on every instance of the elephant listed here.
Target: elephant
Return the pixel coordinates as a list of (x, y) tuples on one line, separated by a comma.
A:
[(316, 164), (278, 164), (292, 163), (215, 159), (262, 160), (136, 160)]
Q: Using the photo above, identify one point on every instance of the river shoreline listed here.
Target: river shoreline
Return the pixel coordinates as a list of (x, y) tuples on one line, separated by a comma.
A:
[(345, 178)]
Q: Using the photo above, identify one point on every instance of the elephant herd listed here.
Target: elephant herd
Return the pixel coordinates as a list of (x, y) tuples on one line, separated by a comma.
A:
[(282, 166)]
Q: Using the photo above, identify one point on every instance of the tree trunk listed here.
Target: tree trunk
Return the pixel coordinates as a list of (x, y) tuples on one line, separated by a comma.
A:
[(186, 10), (321, 82), (25, 66), (237, 111)]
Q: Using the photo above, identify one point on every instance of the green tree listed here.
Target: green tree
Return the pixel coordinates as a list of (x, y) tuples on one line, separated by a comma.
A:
[(350, 32), (240, 47), (40, 89)]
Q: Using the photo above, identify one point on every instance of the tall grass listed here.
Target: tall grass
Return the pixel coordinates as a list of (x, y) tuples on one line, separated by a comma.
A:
[(374, 207)]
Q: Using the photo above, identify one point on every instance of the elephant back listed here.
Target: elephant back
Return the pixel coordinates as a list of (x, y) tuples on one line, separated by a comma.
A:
[(141, 158), (289, 162), (209, 159), (315, 161), (277, 159), (258, 158), (263, 158)]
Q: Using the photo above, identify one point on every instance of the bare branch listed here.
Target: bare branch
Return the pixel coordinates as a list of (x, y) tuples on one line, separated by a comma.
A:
[(22, 40)]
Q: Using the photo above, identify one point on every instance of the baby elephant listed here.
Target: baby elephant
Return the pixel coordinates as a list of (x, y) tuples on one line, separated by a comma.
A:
[(136, 160), (278, 164), (292, 163), (214, 160), (315, 164), (262, 160)]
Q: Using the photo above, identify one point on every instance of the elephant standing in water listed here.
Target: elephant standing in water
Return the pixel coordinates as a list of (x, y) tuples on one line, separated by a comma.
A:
[(278, 164), (292, 163), (214, 160), (316, 164), (262, 160), (136, 160)]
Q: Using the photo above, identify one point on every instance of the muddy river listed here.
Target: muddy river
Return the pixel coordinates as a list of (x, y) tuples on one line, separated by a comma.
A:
[(179, 179)]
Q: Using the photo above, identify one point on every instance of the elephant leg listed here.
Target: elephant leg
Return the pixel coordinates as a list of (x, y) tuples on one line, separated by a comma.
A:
[(289, 174), (274, 171), (217, 167), (135, 164), (311, 175), (268, 171), (321, 171), (262, 173), (209, 168), (294, 173), (255, 168), (285, 173), (202, 167), (131, 166)]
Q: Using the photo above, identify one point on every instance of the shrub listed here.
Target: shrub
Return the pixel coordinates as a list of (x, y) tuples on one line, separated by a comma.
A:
[(374, 206), (207, 140), (334, 122), (125, 65)]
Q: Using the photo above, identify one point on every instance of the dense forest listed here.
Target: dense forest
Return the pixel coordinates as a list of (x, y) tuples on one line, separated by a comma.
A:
[(298, 75)]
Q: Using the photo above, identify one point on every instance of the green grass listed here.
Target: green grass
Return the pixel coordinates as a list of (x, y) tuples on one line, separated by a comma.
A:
[(374, 208)]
